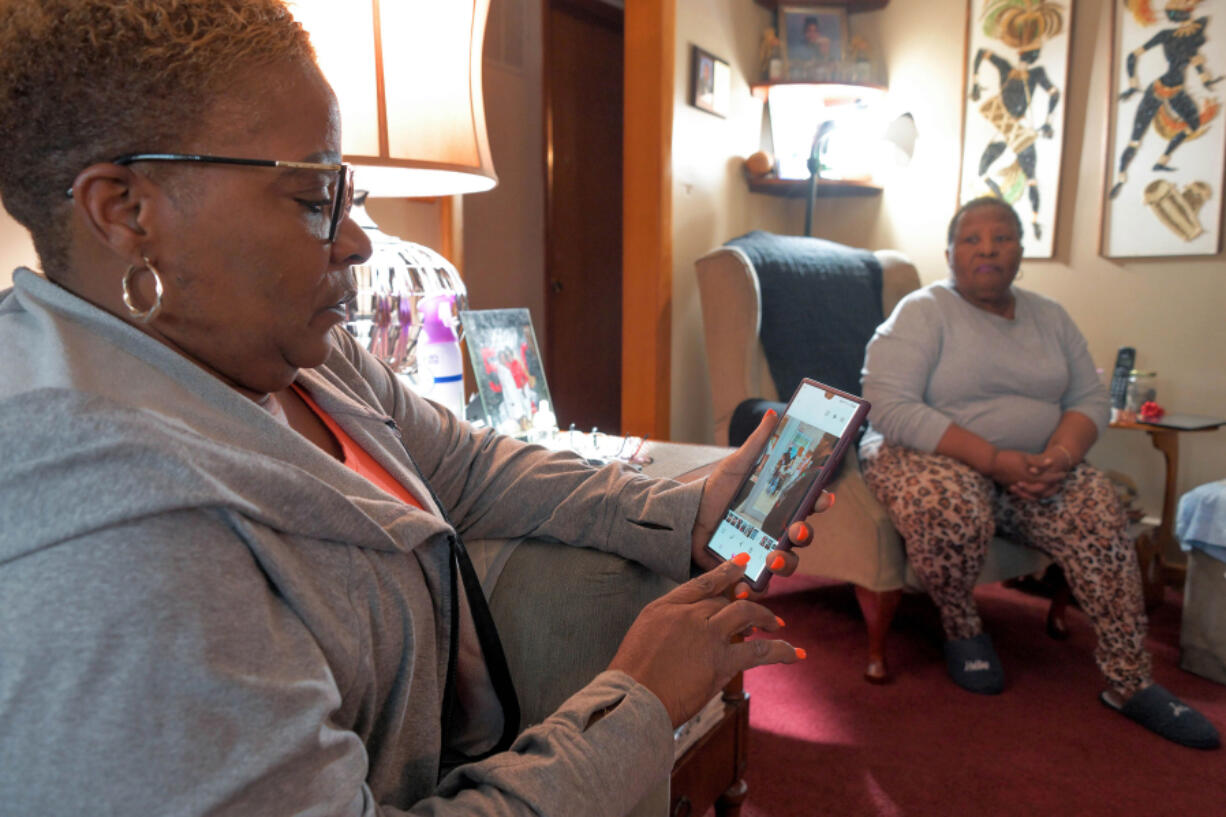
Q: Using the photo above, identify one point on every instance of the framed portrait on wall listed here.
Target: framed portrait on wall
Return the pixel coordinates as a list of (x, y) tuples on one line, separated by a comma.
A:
[(1017, 61), (814, 40), (1166, 160), (710, 82)]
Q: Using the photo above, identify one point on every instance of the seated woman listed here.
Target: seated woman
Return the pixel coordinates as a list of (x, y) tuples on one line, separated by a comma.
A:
[(985, 402), (230, 557)]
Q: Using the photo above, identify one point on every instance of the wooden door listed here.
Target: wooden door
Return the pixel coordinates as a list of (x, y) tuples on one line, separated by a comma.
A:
[(583, 228)]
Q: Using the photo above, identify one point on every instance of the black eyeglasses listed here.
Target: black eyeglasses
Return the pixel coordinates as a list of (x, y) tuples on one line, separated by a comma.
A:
[(342, 191)]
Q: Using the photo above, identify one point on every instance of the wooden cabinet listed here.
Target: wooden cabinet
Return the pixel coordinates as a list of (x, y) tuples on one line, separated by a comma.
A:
[(712, 771)]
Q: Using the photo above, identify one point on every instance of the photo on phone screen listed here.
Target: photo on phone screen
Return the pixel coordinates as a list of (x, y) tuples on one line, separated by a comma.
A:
[(799, 459)]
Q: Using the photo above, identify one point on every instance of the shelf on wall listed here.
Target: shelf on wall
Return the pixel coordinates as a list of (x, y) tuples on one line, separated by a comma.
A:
[(853, 6), (799, 188), (835, 91)]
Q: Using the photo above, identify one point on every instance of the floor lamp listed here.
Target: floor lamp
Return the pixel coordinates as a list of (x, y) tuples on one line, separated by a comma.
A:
[(897, 143), (815, 170)]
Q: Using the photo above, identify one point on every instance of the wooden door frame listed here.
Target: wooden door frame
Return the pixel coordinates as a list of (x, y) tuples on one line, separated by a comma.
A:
[(647, 238)]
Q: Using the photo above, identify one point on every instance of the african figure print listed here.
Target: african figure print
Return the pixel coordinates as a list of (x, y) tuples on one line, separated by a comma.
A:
[(1164, 186), (1018, 64)]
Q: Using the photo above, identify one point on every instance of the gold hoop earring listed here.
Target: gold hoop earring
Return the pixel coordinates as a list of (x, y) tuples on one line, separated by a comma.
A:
[(147, 315)]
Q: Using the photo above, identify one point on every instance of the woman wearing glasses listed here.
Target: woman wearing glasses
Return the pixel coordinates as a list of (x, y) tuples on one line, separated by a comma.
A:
[(230, 562)]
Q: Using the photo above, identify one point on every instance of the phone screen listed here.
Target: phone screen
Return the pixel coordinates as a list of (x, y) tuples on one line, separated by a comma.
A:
[(798, 460)]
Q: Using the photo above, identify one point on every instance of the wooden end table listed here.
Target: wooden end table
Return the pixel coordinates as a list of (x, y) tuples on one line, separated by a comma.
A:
[(1156, 572)]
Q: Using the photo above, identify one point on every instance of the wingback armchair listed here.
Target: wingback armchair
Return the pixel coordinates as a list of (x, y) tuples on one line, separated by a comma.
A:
[(854, 541)]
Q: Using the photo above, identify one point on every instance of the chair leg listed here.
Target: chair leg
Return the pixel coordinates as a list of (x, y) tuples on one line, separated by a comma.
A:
[(1056, 626), (878, 608), (729, 803)]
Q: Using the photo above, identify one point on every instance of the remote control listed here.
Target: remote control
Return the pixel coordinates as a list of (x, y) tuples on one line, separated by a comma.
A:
[(1125, 359)]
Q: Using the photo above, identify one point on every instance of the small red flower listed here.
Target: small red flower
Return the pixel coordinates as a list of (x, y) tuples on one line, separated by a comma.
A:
[(1151, 411)]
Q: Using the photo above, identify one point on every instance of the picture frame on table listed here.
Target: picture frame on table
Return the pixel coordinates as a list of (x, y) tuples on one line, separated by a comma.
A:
[(1014, 111), (710, 82), (814, 40), (510, 378), (1165, 168)]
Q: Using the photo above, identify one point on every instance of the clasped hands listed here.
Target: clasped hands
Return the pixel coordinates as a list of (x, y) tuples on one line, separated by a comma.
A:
[(1031, 476), (684, 646)]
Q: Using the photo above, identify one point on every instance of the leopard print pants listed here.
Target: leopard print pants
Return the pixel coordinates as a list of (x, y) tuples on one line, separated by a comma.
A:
[(947, 513)]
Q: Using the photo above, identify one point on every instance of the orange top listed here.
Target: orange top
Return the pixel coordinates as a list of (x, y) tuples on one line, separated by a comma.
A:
[(356, 457)]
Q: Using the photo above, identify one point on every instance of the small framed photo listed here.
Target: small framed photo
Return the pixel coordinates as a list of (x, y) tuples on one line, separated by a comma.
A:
[(814, 40), (510, 378), (710, 82)]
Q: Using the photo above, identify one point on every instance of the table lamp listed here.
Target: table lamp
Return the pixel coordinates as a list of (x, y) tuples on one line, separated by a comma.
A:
[(407, 77)]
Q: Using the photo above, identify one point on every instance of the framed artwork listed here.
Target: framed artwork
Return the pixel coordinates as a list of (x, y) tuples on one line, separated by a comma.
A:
[(710, 82), (1017, 60), (814, 40), (1166, 160), (510, 379)]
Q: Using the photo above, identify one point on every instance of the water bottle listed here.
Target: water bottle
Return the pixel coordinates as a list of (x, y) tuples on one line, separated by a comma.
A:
[(440, 363)]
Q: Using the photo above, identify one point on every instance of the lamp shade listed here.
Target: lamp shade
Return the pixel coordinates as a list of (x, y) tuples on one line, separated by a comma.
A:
[(901, 133), (407, 76)]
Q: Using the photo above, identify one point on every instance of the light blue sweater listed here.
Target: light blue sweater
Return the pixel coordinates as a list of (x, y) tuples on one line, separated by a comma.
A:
[(939, 360)]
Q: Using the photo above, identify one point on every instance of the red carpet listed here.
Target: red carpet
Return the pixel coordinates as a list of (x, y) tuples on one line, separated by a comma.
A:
[(824, 742)]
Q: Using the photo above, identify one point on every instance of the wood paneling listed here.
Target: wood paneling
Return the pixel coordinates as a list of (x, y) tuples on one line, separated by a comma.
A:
[(647, 256)]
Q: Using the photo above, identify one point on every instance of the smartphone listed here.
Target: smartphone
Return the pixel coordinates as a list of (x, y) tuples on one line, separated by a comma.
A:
[(798, 461), (1125, 359)]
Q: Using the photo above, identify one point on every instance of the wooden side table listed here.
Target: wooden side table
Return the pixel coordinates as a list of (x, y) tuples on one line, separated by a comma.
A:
[(712, 771), (1156, 572)]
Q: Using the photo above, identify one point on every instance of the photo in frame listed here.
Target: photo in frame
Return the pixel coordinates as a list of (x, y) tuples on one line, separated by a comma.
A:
[(814, 40), (1017, 64), (710, 82), (510, 378), (1166, 161)]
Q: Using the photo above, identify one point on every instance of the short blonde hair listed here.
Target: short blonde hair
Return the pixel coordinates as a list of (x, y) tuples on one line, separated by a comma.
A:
[(84, 81)]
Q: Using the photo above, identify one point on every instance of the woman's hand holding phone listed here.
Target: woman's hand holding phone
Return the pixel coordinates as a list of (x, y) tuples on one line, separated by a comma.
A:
[(720, 487)]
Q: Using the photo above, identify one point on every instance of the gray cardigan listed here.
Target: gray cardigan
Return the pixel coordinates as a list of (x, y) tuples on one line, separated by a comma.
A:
[(201, 612)]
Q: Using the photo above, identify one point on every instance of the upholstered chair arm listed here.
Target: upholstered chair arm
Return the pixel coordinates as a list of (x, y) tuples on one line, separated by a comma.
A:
[(731, 311)]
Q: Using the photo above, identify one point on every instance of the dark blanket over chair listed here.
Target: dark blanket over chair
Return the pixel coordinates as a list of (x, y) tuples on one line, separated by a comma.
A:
[(821, 302)]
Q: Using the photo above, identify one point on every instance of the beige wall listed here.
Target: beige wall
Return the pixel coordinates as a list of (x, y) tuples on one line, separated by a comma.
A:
[(711, 202), (1171, 311), (16, 249)]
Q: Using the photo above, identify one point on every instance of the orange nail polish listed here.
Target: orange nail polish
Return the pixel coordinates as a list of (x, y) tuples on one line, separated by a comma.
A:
[(744, 594), (779, 621), (832, 498), (778, 563), (741, 559), (802, 534), (800, 653)]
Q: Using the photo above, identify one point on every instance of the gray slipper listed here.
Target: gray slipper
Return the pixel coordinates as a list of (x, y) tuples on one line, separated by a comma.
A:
[(974, 665), (1160, 712)]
